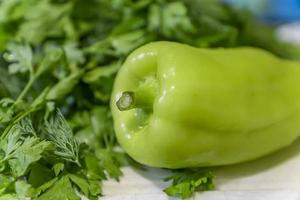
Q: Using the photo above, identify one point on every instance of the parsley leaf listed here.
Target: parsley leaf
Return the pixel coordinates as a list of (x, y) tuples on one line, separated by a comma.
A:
[(20, 56), (188, 181), (61, 190), (20, 150)]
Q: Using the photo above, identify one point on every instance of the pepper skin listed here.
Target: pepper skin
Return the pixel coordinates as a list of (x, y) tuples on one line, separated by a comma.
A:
[(177, 106)]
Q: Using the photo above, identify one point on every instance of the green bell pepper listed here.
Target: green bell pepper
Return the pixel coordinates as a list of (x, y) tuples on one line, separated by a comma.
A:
[(178, 106)]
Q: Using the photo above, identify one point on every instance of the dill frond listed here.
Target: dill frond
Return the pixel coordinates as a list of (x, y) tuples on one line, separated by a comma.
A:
[(61, 135)]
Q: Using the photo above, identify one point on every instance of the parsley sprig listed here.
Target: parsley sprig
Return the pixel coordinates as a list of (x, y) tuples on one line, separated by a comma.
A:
[(188, 181)]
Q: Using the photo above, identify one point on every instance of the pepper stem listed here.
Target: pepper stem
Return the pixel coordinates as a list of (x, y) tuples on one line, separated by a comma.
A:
[(142, 97), (126, 101)]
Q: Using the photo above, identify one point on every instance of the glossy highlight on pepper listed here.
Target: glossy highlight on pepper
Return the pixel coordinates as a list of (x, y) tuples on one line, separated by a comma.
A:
[(178, 106)]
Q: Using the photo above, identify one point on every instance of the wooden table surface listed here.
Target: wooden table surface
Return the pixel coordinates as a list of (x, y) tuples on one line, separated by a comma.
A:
[(274, 177)]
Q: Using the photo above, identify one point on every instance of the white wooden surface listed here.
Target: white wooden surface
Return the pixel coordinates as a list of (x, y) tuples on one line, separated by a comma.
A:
[(290, 32), (275, 177)]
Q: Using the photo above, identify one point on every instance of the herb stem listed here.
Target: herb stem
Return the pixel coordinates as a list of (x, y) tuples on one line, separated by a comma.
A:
[(25, 90)]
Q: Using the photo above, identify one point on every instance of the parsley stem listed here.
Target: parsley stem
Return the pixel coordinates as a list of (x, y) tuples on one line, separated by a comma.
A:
[(25, 90), (77, 162)]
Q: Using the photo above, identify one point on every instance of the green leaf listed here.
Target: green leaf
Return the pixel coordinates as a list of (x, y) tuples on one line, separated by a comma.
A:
[(109, 160), (58, 168), (29, 152), (81, 183), (53, 55), (186, 182), (124, 44), (25, 126), (6, 9), (61, 190), (5, 183), (61, 135), (103, 71), (24, 190), (94, 171), (20, 57), (12, 10), (12, 83), (100, 80), (39, 175), (73, 54), (154, 18), (9, 197), (4, 92), (6, 113), (42, 19), (10, 144), (5, 102), (91, 131), (46, 186), (21, 151), (183, 190), (95, 188), (174, 17), (65, 86)]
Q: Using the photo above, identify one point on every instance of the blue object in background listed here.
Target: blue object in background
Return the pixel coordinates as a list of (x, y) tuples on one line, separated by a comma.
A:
[(283, 11), (274, 11)]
